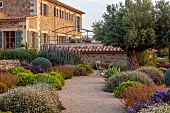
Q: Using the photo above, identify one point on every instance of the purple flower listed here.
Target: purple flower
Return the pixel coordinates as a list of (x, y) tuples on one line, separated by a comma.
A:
[(130, 110)]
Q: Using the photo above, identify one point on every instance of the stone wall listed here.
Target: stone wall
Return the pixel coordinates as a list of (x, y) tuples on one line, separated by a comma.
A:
[(9, 24), (106, 58), (6, 64), (16, 7)]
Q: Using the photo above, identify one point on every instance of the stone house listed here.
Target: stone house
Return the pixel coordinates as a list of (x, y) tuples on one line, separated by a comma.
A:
[(37, 22)]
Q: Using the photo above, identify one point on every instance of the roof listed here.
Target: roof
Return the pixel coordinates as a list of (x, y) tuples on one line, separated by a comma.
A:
[(14, 18), (66, 6), (87, 49)]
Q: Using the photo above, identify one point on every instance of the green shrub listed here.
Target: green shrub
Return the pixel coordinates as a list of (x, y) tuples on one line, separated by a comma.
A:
[(49, 79), (80, 71), (153, 73), (26, 78), (3, 87), (39, 98), (42, 62), (58, 76), (162, 69), (167, 77), (147, 58), (66, 71), (118, 78), (111, 71), (118, 90), (87, 67), (17, 70), (18, 54)]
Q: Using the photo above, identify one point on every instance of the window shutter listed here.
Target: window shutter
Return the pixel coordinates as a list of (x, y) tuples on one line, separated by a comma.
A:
[(55, 13), (47, 10), (17, 39), (0, 40), (41, 38), (29, 38), (37, 40), (48, 39), (42, 9)]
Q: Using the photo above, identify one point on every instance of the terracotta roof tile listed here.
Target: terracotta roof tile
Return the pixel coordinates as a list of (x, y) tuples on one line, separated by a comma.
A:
[(87, 49)]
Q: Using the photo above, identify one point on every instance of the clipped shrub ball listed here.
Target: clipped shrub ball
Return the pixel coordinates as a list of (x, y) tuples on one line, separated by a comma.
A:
[(42, 62), (39, 98), (153, 73), (118, 90), (3, 87), (17, 70), (87, 67), (80, 71), (167, 77), (118, 78)]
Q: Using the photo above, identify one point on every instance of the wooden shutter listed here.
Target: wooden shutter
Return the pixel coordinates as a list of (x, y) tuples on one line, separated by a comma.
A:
[(17, 39), (41, 38), (48, 39), (0, 40), (37, 40), (42, 9), (47, 10), (29, 39)]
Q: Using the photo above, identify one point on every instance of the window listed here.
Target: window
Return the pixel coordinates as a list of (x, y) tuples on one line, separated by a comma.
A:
[(55, 11), (77, 22), (71, 17), (62, 14), (1, 4), (66, 14), (45, 10)]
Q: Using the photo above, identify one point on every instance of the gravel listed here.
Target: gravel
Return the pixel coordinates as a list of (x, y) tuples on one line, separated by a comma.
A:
[(85, 95)]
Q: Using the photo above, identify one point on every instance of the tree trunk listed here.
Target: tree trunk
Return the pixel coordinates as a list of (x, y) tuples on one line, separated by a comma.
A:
[(132, 54)]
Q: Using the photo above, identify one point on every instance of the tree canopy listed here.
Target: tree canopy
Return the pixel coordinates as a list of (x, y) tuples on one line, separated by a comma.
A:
[(135, 26)]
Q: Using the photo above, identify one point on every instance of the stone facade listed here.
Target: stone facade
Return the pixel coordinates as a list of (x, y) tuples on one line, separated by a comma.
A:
[(9, 24), (18, 8), (106, 59)]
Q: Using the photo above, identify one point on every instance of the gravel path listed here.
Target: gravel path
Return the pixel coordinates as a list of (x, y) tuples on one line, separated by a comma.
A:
[(85, 95)]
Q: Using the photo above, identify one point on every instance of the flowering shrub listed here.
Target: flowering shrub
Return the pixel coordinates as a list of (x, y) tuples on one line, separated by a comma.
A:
[(66, 71), (9, 79), (153, 73), (118, 78), (140, 93), (39, 98), (5, 112), (33, 69), (118, 90), (165, 108), (87, 67), (163, 66), (157, 104)]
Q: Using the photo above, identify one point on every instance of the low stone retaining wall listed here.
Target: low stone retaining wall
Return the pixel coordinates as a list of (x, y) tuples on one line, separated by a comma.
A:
[(6, 64), (116, 59)]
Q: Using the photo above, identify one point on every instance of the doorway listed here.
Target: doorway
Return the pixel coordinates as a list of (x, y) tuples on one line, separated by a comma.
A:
[(9, 39)]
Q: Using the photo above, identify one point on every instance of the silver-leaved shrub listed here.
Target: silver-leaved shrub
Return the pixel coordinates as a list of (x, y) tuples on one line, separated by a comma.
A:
[(38, 98)]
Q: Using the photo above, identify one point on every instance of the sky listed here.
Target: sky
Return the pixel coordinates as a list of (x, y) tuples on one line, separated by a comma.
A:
[(93, 9)]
